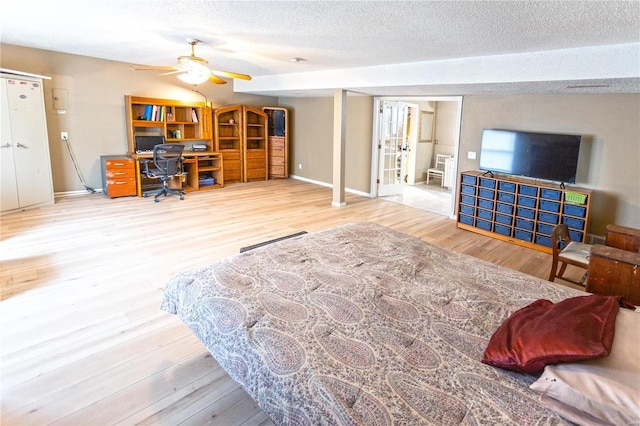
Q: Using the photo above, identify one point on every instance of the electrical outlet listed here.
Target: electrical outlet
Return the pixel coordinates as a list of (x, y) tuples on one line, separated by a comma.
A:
[(64, 136), (299, 166)]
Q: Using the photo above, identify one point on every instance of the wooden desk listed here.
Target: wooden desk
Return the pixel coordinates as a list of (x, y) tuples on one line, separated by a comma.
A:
[(202, 171)]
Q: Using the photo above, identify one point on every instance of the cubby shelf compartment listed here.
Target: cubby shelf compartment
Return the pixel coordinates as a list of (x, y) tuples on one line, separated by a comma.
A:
[(519, 211)]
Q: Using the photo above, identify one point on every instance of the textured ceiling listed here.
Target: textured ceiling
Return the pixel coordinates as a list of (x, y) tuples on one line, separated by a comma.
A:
[(259, 37)]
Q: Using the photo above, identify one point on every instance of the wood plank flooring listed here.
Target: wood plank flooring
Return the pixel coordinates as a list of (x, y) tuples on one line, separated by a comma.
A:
[(83, 340)]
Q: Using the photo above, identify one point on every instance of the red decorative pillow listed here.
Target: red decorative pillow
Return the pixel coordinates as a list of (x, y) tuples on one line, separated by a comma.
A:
[(545, 333)]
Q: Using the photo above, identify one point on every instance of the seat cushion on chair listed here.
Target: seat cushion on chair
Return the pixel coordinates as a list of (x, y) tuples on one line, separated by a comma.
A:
[(576, 252)]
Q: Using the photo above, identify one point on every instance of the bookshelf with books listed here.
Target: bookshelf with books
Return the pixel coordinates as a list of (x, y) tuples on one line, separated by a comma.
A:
[(178, 121)]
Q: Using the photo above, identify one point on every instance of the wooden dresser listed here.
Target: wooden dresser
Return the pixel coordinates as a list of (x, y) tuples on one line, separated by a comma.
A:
[(614, 268), (278, 130), (118, 175)]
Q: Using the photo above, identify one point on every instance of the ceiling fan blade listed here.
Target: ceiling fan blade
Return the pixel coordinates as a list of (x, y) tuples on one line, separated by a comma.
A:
[(171, 72), (216, 80), (231, 75), (154, 67)]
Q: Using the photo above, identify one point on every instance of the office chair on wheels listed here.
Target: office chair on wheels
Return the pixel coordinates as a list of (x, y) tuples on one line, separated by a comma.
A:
[(167, 159)]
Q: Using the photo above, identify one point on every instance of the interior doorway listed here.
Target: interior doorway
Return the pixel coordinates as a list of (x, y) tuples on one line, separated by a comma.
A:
[(400, 160)]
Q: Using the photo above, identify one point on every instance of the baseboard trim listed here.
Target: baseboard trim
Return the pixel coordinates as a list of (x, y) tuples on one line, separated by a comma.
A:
[(328, 185)]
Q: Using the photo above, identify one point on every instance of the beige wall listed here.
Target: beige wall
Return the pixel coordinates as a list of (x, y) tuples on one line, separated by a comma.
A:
[(609, 157), (312, 139), (95, 119), (446, 126)]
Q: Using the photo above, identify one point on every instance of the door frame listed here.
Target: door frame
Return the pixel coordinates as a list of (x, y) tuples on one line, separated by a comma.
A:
[(377, 104)]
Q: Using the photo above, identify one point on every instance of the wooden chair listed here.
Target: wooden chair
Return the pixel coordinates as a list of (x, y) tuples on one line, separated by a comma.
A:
[(567, 252), (438, 169)]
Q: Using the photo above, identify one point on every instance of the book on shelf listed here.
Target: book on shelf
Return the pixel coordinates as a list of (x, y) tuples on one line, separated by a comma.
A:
[(148, 109), (194, 116)]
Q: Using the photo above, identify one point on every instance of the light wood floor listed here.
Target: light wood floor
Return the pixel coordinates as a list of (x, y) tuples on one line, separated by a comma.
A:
[(83, 340)]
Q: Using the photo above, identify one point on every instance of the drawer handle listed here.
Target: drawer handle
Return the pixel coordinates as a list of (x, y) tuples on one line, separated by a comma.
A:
[(120, 173), (120, 164)]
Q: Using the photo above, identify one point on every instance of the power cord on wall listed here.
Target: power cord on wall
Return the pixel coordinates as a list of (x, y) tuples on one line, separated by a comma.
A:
[(75, 165)]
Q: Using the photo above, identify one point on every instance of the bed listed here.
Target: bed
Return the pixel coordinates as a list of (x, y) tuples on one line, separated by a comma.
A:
[(362, 325)]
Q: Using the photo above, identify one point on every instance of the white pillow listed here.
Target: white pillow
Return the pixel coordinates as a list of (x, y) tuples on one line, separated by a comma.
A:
[(605, 388)]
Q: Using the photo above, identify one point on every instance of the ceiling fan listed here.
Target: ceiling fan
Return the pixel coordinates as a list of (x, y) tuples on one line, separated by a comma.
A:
[(194, 70)]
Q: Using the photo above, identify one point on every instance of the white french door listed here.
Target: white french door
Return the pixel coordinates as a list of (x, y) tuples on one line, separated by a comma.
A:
[(392, 147)]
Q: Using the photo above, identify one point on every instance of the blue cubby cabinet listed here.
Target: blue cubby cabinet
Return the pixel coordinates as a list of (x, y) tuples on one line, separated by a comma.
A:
[(521, 211)]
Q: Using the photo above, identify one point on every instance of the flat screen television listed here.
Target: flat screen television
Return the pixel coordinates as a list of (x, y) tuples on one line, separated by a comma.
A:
[(546, 156)]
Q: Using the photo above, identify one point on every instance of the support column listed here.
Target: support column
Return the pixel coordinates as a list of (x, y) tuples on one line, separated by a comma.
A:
[(339, 144)]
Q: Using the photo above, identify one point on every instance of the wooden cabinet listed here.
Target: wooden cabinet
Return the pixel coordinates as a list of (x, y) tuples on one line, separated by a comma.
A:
[(521, 211), (278, 132), (256, 164), (187, 123), (614, 272), (240, 135), (25, 165), (228, 140), (623, 237), (118, 175)]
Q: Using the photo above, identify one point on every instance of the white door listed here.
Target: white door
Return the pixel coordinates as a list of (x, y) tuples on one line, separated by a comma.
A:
[(392, 147), (8, 185), (29, 142)]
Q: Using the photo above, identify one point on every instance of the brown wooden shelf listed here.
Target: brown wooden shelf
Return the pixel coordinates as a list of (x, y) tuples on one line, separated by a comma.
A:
[(247, 133)]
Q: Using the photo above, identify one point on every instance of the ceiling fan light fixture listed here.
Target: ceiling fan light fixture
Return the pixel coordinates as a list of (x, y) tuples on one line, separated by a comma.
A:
[(193, 79), (194, 70)]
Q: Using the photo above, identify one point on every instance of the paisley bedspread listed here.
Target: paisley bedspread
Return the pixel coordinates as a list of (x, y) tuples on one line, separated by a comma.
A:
[(363, 325)]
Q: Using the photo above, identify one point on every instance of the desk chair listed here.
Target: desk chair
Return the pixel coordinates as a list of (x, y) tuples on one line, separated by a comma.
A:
[(167, 159), (567, 252), (438, 169)]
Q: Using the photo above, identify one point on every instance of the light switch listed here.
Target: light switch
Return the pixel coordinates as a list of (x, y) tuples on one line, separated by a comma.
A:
[(471, 155)]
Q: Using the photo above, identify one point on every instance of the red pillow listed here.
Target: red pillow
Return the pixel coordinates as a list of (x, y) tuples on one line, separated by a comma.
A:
[(545, 333)]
